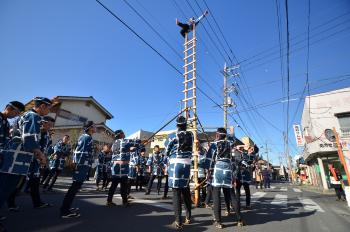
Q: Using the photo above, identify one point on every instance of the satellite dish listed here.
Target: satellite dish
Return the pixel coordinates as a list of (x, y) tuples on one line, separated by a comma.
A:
[(330, 135)]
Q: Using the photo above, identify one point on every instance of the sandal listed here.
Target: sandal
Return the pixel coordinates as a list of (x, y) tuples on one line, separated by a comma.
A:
[(178, 226), (187, 221), (240, 223), (218, 225)]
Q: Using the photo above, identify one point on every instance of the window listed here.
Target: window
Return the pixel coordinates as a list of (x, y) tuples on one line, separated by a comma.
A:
[(344, 122)]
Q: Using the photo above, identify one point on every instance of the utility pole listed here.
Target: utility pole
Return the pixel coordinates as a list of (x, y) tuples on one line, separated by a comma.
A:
[(227, 73), (289, 163), (225, 96), (267, 156)]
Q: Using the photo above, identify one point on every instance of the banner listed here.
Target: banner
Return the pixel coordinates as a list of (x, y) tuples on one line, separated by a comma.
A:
[(298, 136)]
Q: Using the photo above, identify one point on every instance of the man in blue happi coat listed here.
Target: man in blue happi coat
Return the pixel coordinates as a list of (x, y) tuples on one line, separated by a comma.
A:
[(8, 181), (165, 162), (133, 165), (221, 167), (101, 168), (82, 159), (179, 151), (141, 163), (62, 150), (120, 167), (30, 125), (243, 173), (155, 168), (47, 123), (108, 161), (45, 171)]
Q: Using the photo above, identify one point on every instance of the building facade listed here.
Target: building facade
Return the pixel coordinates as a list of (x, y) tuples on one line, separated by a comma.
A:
[(323, 112)]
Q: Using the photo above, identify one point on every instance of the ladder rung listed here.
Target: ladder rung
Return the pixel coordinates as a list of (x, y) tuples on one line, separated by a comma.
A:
[(188, 63), (186, 90), (189, 71), (188, 42), (189, 80), (187, 49), (190, 98), (186, 57)]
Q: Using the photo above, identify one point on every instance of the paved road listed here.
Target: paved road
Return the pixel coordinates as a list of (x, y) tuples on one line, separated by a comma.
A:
[(282, 208)]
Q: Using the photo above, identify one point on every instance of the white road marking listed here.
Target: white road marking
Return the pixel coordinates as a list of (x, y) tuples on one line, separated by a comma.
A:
[(310, 205), (256, 196), (297, 190), (280, 200), (283, 189)]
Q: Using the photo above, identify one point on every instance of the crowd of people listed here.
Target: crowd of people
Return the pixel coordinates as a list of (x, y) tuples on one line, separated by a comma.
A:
[(27, 153)]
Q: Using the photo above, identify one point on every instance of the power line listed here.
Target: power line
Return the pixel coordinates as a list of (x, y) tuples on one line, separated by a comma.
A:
[(308, 54), (298, 49), (295, 37), (280, 100), (163, 39), (153, 29), (218, 26), (273, 52), (200, 39), (159, 54), (209, 36), (280, 50), (216, 35)]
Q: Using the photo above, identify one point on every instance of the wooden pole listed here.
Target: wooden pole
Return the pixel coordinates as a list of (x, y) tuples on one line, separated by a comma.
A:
[(341, 154)]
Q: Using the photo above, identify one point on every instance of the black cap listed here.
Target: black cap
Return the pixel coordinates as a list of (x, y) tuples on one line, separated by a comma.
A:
[(221, 130), (42, 100), (17, 105), (181, 120), (118, 133), (48, 119), (88, 124)]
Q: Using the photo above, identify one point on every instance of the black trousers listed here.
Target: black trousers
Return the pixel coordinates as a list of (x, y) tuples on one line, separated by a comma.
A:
[(11, 201), (69, 197), (339, 192), (247, 192), (150, 183), (217, 202), (185, 28), (101, 176), (166, 186), (209, 194), (178, 195), (202, 191), (106, 181), (139, 181), (54, 173), (123, 188), (44, 172), (131, 182), (34, 184)]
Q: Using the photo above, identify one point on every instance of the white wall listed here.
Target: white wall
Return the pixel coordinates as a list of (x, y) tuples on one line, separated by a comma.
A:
[(82, 109), (323, 107)]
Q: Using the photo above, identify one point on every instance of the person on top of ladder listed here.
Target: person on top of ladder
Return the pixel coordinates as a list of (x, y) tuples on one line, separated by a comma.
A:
[(187, 27)]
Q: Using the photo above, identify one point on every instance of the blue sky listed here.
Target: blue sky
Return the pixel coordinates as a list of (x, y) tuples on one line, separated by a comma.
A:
[(65, 47)]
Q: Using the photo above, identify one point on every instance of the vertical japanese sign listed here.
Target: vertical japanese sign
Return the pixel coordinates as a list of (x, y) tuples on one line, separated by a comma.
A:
[(298, 136)]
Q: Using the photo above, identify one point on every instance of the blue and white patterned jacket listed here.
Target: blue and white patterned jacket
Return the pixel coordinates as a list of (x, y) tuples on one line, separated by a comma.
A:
[(221, 164), (82, 157), (179, 169), (121, 157)]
